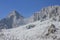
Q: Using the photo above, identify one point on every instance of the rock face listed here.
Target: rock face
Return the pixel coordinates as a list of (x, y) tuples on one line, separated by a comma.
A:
[(14, 19), (47, 13)]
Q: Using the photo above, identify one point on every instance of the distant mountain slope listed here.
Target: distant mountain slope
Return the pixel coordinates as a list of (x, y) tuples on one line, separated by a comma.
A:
[(14, 19)]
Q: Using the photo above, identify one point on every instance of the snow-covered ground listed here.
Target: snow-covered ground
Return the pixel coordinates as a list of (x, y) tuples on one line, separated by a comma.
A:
[(43, 25), (33, 31)]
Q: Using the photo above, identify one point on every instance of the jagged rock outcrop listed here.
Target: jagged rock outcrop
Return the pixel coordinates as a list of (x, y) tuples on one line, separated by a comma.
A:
[(47, 13)]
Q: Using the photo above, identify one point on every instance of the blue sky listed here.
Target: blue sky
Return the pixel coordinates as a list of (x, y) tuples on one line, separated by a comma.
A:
[(24, 7)]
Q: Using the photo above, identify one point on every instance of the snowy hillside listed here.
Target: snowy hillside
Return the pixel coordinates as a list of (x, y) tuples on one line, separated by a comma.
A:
[(46, 30)]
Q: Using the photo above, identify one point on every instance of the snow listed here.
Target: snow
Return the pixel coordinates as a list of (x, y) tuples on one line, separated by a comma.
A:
[(37, 27), (35, 33)]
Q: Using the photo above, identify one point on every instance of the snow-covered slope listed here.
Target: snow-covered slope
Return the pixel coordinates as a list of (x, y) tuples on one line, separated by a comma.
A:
[(46, 30)]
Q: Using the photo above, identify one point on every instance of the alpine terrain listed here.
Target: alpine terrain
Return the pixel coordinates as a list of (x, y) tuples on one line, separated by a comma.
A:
[(42, 25)]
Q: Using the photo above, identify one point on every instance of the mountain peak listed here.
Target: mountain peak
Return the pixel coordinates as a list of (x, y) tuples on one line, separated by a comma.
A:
[(14, 19), (14, 13)]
